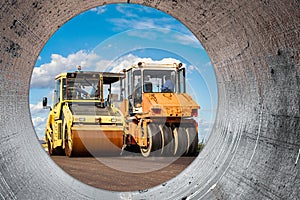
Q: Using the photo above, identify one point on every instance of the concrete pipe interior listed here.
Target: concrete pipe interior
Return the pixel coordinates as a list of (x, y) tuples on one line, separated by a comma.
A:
[(254, 148)]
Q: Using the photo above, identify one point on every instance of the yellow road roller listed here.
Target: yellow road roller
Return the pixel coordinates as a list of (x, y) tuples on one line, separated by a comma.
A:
[(83, 119)]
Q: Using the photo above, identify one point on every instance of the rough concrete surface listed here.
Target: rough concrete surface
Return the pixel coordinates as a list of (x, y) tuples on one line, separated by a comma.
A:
[(252, 152)]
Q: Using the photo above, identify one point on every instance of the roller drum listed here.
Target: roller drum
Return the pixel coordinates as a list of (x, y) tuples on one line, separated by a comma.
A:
[(96, 141)]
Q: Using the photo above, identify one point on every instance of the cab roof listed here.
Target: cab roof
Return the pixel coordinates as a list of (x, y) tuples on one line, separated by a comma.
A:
[(108, 77), (159, 66)]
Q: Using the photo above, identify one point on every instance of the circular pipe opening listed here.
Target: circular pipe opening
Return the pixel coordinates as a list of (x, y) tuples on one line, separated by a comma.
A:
[(122, 45)]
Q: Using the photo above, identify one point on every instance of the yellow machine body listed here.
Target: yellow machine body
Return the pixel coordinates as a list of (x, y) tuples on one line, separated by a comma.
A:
[(81, 123)]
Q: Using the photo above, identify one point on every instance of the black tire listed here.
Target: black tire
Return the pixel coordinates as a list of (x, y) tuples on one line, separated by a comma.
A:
[(50, 149), (154, 141), (54, 151), (68, 144), (193, 140), (180, 141), (68, 148), (167, 141)]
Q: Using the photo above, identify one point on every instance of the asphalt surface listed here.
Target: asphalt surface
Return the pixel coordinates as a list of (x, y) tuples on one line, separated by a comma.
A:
[(122, 173)]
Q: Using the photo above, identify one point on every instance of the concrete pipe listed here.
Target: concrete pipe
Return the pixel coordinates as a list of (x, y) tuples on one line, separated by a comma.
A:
[(253, 151)]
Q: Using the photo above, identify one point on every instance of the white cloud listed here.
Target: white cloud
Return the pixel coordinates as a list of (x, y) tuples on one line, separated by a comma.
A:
[(208, 65), (204, 128), (149, 35), (191, 69), (121, 23), (99, 10), (130, 59), (129, 10), (150, 31), (36, 108), (186, 39), (37, 121), (130, 20), (43, 76), (39, 117)]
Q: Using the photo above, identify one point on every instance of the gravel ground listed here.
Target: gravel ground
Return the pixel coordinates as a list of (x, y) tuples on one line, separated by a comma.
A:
[(122, 173)]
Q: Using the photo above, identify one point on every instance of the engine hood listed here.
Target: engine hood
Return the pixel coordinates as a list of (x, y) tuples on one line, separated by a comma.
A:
[(169, 104)]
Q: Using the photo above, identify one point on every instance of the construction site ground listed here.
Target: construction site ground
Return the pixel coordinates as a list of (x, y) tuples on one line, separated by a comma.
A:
[(102, 173)]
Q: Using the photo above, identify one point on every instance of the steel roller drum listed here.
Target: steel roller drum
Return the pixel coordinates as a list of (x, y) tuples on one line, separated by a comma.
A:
[(253, 150)]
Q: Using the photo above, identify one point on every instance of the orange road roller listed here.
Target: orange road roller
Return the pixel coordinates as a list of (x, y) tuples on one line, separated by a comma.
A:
[(159, 115)]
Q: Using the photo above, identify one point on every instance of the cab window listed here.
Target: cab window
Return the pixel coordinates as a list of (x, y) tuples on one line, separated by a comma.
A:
[(159, 81), (57, 91)]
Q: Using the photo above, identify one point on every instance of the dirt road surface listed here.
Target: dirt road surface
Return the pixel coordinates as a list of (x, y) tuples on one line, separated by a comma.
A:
[(122, 173)]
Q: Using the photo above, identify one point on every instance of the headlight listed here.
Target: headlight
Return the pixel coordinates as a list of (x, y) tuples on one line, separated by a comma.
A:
[(194, 113), (113, 120), (156, 111), (82, 119)]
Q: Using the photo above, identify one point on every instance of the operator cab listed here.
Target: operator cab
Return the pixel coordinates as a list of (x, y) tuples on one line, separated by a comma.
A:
[(86, 87), (152, 78)]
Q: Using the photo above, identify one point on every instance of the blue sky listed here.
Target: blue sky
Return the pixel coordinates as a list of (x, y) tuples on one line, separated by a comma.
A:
[(111, 37)]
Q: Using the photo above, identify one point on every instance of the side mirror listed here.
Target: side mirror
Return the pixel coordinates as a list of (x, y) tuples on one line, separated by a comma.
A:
[(45, 102)]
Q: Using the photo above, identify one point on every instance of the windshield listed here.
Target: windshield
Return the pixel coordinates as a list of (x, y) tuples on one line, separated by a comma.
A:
[(159, 81), (81, 88)]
